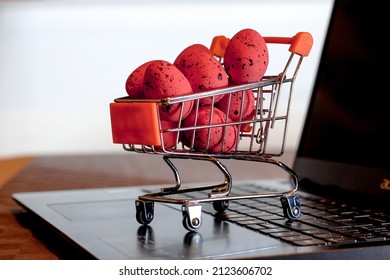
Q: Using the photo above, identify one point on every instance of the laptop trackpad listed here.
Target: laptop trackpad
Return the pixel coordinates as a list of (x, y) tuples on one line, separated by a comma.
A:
[(107, 229)]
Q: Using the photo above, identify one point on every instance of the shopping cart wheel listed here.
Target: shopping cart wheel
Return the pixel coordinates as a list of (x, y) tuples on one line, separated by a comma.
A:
[(144, 211), (291, 207), (220, 205), (191, 217)]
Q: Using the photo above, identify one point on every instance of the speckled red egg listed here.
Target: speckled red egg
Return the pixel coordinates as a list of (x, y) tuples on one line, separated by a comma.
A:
[(246, 57), (238, 105), (162, 79), (135, 81), (170, 138), (219, 139), (202, 69), (190, 50)]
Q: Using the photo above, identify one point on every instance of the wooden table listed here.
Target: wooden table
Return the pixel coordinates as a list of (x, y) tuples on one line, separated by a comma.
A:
[(17, 241)]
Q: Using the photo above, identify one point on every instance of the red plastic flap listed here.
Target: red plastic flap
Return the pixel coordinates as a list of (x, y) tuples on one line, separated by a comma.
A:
[(135, 123)]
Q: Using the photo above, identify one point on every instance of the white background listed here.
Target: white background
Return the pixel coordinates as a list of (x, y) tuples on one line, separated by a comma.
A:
[(63, 62)]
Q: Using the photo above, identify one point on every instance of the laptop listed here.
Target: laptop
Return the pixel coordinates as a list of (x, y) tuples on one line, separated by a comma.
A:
[(342, 163)]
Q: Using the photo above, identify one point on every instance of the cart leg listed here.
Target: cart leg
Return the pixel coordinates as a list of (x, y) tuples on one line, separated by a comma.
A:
[(227, 186), (191, 216), (221, 205), (144, 211), (291, 207), (222, 189), (175, 173)]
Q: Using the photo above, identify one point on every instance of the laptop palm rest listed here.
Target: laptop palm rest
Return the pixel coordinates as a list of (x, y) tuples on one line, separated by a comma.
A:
[(102, 222)]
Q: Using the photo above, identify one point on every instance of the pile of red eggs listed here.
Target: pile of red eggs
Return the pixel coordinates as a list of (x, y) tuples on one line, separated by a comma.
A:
[(196, 70)]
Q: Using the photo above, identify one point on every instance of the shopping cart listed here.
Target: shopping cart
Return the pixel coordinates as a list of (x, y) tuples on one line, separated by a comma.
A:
[(137, 126)]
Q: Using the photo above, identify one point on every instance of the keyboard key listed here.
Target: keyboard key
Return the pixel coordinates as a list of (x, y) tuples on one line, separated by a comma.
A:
[(309, 242), (322, 223), (285, 234), (341, 240), (293, 225), (274, 230), (370, 238), (257, 227)]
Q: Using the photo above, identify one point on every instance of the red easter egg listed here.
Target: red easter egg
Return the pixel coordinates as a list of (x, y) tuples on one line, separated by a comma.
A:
[(246, 57), (202, 69), (161, 80), (218, 139), (237, 105), (135, 81)]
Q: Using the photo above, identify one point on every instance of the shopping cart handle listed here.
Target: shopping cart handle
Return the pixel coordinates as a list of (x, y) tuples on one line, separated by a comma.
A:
[(301, 43), (218, 45)]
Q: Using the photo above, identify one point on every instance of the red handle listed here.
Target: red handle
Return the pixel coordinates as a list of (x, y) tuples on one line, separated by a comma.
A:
[(218, 45), (301, 43)]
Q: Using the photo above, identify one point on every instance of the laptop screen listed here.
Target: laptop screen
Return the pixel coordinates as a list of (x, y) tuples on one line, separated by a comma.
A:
[(344, 142)]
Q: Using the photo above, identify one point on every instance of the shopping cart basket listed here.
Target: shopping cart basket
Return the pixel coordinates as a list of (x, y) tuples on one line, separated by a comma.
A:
[(136, 124)]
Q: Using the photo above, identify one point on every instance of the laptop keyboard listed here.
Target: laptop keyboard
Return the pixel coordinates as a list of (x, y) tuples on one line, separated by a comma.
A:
[(323, 222)]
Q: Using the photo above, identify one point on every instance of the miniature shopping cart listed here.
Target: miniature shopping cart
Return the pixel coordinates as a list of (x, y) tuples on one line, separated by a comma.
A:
[(137, 126)]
